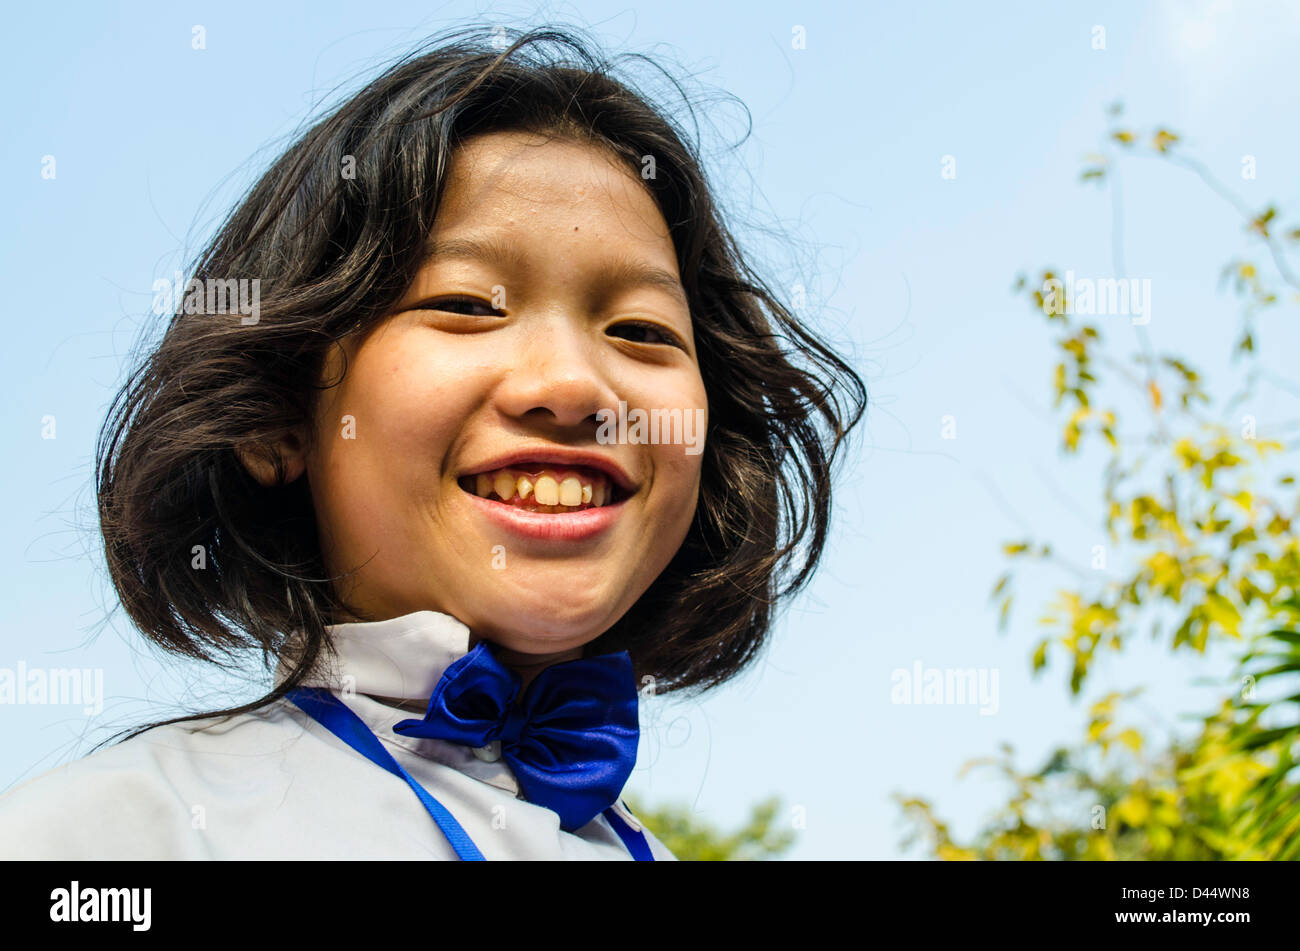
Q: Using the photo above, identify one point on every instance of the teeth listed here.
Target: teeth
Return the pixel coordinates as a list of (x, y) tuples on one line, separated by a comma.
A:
[(570, 492), (547, 491)]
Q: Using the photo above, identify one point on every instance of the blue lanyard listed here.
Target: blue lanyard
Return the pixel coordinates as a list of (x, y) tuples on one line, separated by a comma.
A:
[(342, 721)]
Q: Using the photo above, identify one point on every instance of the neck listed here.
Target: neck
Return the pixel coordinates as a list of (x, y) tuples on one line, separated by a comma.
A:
[(528, 666)]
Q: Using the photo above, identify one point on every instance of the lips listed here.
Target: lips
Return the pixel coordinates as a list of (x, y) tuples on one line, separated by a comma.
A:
[(549, 494)]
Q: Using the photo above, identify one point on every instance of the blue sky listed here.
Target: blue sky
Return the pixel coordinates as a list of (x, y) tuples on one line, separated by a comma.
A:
[(912, 271)]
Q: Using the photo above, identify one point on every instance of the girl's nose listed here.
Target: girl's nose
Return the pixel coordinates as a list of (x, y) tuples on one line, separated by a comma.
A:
[(556, 378)]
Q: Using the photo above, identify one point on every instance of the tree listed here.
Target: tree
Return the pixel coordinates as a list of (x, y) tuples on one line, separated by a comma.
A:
[(1209, 556), (689, 839)]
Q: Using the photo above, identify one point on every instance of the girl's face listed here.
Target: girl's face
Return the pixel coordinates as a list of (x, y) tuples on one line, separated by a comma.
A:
[(460, 466)]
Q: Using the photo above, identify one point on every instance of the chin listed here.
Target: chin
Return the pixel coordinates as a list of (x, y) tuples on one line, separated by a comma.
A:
[(545, 620)]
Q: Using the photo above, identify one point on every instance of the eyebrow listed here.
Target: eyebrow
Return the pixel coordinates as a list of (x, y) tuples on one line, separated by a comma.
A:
[(620, 271)]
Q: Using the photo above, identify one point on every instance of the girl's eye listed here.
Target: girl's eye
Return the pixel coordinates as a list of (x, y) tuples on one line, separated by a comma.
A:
[(461, 305), (639, 332)]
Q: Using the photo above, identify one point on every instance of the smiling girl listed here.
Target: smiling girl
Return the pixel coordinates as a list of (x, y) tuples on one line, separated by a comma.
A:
[(391, 484)]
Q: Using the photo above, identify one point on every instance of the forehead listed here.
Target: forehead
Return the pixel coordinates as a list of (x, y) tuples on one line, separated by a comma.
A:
[(529, 184)]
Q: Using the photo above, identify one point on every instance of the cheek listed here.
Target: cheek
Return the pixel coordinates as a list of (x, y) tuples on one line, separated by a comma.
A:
[(680, 449), (678, 465), (385, 434), (677, 478), (416, 399)]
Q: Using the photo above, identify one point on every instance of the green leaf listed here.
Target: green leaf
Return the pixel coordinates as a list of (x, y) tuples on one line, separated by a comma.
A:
[(1040, 656)]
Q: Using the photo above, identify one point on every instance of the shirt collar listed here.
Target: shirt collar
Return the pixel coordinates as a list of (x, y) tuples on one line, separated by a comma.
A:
[(402, 657)]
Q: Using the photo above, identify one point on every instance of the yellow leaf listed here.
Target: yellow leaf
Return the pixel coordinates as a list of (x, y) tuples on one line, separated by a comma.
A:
[(1133, 809), (952, 853), (1187, 452), (1161, 838), (1156, 399), (1223, 612)]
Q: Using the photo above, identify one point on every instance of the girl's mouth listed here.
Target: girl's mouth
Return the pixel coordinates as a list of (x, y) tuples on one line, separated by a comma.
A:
[(544, 489)]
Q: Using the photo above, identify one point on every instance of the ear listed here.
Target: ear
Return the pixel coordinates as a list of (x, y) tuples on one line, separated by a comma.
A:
[(258, 458)]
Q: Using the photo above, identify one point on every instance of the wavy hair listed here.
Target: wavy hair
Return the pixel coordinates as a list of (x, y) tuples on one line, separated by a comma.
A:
[(334, 254)]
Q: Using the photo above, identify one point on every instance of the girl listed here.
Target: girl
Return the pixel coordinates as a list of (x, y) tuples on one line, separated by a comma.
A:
[(402, 481)]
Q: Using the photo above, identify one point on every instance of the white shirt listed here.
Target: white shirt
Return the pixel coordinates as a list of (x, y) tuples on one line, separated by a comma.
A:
[(275, 784)]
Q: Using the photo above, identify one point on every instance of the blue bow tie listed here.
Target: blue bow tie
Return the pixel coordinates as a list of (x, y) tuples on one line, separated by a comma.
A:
[(572, 741)]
